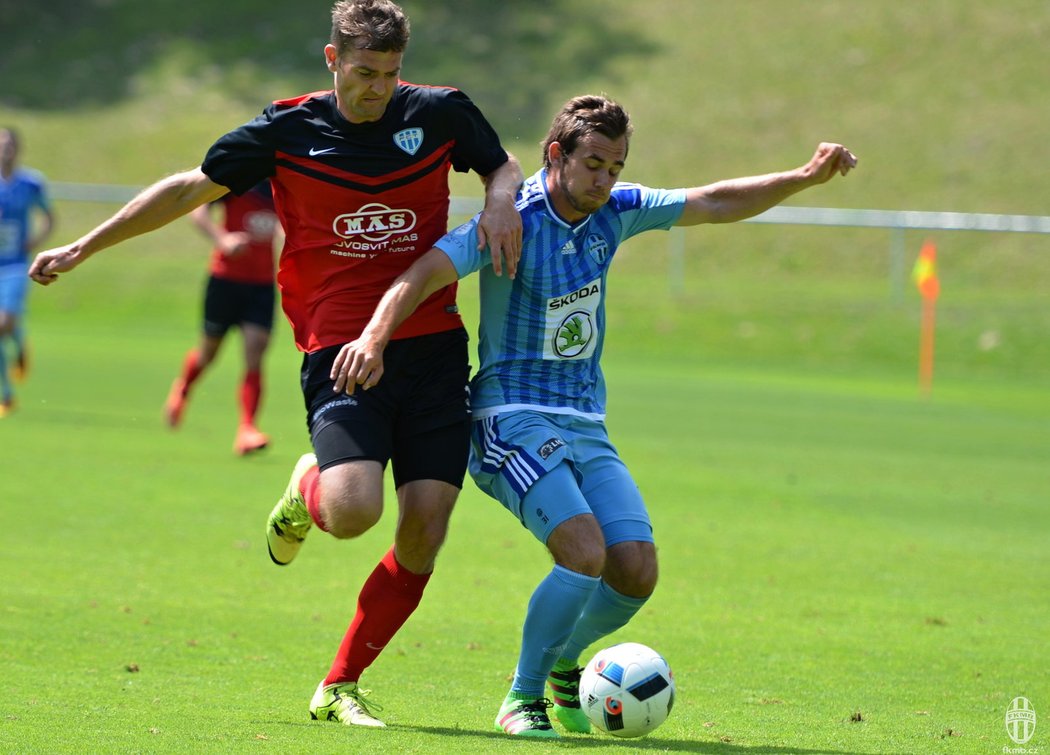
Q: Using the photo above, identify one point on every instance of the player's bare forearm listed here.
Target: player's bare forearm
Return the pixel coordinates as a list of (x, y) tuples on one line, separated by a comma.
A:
[(360, 362), (505, 180), (431, 272), (499, 226), (154, 207), (739, 198)]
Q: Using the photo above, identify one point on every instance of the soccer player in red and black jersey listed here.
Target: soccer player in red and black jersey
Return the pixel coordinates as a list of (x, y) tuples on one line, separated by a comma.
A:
[(360, 180), (239, 293)]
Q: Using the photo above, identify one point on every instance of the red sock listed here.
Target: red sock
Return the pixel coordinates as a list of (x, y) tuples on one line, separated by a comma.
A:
[(251, 395), (191, 370), (310, 487), (388, 598)]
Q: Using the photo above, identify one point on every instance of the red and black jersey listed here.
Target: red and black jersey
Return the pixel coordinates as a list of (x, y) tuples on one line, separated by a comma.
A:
[(253, 213), (359, 202)]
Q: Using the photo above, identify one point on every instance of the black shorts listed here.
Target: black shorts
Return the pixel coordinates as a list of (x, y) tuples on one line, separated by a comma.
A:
[(417, 416), (229, 303)]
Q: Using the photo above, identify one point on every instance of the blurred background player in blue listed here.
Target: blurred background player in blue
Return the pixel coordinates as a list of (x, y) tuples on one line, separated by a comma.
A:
[(239, 294), (26, 219), (539, 442)]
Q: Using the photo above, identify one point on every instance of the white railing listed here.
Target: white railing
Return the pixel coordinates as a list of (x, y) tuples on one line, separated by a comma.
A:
[(905, 219), (896, 221), (902, 219), (102, 193)]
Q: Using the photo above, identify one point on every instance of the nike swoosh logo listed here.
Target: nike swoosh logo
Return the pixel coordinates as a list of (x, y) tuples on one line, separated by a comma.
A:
[(315, 152), (373, 647)]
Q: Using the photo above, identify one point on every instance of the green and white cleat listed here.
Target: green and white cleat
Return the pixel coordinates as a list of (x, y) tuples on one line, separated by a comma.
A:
[(525, 718), (290, 521), (344, 702), (565, 689)]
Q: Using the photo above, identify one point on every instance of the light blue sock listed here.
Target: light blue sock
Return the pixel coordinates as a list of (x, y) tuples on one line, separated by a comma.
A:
[(605, 612), (554, 609)]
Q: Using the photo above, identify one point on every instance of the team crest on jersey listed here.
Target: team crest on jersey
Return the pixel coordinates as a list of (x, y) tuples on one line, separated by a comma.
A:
[(598, 247), (409, 140)]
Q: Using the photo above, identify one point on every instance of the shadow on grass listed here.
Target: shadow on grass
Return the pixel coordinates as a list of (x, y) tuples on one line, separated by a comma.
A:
[(508, 56), (655, 742)]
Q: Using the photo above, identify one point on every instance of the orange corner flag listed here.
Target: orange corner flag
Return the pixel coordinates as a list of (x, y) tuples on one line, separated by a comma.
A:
[(925, 272)]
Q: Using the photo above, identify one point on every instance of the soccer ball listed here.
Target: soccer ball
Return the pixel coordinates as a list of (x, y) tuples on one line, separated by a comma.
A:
[(627, 690)]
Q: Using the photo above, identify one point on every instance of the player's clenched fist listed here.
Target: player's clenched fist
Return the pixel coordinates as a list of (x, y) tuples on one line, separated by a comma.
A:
[(830, 159), (49, 264)]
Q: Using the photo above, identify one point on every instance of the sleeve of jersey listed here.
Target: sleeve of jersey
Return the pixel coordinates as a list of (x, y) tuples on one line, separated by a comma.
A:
[(477, 145), (460, 244), (643, 209), (244, 156)]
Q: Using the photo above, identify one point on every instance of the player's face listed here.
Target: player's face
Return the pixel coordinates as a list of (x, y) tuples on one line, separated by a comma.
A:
[(583, 180), (365, 80)]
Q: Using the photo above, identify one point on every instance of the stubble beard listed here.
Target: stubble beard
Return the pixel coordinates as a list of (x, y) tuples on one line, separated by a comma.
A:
[(574, 203)]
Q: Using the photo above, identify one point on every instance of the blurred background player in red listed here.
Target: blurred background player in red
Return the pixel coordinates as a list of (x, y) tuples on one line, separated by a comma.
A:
[(26, 220), (239, 293)]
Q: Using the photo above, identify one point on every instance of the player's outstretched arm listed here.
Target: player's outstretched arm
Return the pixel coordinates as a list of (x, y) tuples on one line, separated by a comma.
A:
[(499, 227), (155, 206), (360, 362), (739, 198)]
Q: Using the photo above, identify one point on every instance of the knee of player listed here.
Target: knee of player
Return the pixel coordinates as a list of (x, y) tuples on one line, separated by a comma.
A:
[(584, 560), (632, 569), (578, 545), (349, 518), (422, 536), (644, 582)]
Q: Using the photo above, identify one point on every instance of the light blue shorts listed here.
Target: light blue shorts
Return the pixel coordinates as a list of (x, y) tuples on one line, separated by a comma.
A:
[(547, 468), (14, 284)]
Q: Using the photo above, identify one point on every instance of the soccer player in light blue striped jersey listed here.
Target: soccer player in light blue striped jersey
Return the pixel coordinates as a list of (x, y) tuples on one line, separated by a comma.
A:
[(539, 442)]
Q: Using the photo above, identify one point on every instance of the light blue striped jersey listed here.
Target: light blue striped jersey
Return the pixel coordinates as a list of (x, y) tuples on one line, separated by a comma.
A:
[(541, 334)]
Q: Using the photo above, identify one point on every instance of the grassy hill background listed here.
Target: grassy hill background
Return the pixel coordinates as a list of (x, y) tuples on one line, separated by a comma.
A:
[(944, 102)]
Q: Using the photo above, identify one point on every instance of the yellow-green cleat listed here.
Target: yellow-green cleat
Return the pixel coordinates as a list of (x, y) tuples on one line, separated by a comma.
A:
[(565, 689), (290, 521), (525, 718), (344, 702)]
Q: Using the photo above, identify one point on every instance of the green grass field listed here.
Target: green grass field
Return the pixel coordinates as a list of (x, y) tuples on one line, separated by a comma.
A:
[(846, 568), (830, 546)]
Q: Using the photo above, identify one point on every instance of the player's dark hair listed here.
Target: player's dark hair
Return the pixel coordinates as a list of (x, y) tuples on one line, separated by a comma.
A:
[(378, 25), (588, 113)]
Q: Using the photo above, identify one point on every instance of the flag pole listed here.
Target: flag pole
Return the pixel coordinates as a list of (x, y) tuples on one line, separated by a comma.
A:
[(926, 343), (925, 275)]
